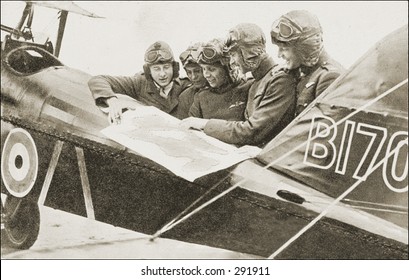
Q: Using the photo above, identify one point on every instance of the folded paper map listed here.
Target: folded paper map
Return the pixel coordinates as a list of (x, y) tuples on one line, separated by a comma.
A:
[(187, 153)]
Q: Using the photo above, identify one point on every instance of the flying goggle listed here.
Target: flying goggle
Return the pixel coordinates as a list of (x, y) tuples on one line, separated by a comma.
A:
[(208, 55), (236, 39), (285, 30), (158, 55), (192, 55)]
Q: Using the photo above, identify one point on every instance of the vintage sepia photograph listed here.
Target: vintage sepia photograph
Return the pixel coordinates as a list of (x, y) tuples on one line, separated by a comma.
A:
[(204, 130)]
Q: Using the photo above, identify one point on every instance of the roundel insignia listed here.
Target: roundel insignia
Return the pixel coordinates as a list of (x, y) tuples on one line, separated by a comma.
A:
[(19, 162)]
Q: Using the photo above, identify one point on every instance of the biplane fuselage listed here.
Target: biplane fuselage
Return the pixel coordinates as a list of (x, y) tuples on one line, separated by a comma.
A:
[(263, 201)]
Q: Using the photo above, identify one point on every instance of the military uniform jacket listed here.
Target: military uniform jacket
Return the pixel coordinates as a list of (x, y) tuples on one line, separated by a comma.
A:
[(137, 87), (314, 80), (227, 103), (270, 108), (185, 101)]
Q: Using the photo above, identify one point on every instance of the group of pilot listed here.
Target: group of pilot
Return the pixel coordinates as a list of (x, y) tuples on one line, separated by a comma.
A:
[(220, 96)]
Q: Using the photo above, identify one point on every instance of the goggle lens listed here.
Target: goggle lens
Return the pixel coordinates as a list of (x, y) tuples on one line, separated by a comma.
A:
[(155, 55), (194, 54), (209, 53), (285, 30)]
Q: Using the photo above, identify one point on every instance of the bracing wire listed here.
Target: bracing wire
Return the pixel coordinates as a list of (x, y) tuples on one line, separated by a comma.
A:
[(336, 201), (175, 221)]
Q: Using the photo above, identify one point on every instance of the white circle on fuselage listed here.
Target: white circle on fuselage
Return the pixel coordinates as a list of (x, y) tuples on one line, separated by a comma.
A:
[(19, 173)]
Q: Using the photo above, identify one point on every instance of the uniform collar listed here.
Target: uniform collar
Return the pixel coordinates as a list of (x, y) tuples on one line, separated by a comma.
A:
[(177, 81), (222, 89), (165, 89), (154, 87), (322, 60), (265, 66)]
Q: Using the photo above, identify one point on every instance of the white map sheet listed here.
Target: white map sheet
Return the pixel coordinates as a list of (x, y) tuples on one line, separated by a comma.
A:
[(187, 153)]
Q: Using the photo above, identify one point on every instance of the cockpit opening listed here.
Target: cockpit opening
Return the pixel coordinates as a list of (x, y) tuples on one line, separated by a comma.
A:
[(29, 58)]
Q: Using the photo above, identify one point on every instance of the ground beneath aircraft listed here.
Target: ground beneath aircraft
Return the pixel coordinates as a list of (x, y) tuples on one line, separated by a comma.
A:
[(68, 236)]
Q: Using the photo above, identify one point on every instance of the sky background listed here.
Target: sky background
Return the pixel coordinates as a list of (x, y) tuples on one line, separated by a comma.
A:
[(116, 44)]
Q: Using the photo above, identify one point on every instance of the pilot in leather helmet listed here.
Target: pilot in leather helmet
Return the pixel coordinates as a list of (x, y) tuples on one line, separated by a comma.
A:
[(299, 37), (158, 85)]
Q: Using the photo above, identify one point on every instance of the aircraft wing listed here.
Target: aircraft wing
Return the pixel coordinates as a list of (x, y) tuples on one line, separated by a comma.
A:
[(68, 6)]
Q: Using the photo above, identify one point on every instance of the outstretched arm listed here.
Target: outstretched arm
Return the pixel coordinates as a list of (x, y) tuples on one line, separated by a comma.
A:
[(274, 111), (104, 90)]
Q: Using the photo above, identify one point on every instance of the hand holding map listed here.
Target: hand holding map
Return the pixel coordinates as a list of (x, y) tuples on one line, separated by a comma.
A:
[(187, 153)]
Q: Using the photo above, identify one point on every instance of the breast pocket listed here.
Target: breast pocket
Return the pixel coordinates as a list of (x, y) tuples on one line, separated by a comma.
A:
[(236, 111), (306, 96)]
